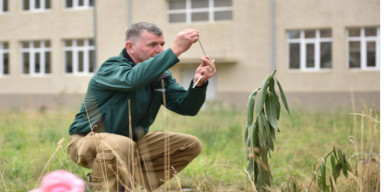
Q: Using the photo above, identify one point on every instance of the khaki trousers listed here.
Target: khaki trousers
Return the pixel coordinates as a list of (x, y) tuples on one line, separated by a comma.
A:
[(117, 161)]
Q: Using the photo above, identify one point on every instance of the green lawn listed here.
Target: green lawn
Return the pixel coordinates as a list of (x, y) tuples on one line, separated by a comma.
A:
[(29, 149)]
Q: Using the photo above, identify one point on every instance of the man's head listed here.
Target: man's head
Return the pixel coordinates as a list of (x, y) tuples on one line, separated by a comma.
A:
[(143, 41)]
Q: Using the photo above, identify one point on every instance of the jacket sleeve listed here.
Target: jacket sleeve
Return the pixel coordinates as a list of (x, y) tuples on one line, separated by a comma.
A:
[(121, 75), (184, 102)]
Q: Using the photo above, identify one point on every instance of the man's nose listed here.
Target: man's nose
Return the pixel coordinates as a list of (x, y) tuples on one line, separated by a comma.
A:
[(159, 48)]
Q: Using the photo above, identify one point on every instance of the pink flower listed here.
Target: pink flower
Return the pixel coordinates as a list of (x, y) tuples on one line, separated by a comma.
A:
[(60, 181)]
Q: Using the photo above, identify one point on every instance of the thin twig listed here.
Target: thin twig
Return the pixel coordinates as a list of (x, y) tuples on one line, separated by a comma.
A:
[(2, 178), (226, 165), (166, 139), (202, 47), (89, 121), (132, 150), (60, 145), (369, 117)]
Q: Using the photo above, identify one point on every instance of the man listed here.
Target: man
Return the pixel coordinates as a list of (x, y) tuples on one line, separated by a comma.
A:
[(110, 132)]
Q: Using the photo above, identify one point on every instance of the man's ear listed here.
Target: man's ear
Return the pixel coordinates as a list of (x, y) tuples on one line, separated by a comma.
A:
[(129, 46)]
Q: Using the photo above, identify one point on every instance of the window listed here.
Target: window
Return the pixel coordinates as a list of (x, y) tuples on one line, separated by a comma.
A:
[(310, 50), (187, 11), (364, 48), (36, 5), (79, 56), (4, 59), (3, 6), (79, 4), (36, 57)]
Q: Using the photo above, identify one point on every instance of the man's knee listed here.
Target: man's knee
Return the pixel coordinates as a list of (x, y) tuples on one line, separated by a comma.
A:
[(191, 147), (195, 145)]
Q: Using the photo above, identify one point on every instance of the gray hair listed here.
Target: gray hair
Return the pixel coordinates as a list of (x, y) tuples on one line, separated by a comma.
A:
[(134, 31)]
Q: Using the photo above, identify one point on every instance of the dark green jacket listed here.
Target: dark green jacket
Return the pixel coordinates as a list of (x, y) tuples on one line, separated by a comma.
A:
[(119, 80)]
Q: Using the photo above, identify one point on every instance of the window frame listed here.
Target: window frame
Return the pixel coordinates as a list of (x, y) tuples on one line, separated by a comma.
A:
[(363, 40), (303, 42), (4, 51), (32, 6), (74, 49), (76, 6), (42, 50), (188, 11), (2, 9)]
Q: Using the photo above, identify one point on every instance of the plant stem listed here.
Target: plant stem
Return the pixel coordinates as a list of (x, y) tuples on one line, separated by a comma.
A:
[(326, 156), (274, 71)]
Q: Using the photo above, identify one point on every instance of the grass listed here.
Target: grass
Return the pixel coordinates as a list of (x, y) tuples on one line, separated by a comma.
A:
[(29, 149)]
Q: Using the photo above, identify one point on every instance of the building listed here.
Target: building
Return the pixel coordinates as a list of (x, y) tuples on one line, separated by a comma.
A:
[(326, 52)]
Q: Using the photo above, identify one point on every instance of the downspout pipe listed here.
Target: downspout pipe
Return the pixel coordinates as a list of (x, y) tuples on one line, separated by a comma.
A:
[(272, 16), (95, 34), (129, 12)]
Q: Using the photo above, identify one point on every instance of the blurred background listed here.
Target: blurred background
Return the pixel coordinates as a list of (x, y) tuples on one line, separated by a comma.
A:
[(326, 52)]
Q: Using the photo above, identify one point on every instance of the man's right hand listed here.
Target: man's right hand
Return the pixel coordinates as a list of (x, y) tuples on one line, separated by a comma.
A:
[(184, 40)]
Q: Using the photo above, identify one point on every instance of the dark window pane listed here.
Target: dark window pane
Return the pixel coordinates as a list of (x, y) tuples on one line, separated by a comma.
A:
[(48, 62), (47, 4), (6, 63), (25, 5), (177, 18), (371, 54), (37, 63), (326, 55), (354, 54), (5, 5), (5, 46), (200, 16), (294, 56), (222, 3), (81, 61), (91, 42), (222, 15), (47, 44), (25, 63), (91, 61), (81, 2), (310, 55), (293, 34), (80, 43), (325, 33), (69, 3), (36, 44), (68, 43), (354, 32), (177, 4), (310, 34), (199, 4), (37, 4), (68, 62), (25, 44), (91, 3), (370, 32)]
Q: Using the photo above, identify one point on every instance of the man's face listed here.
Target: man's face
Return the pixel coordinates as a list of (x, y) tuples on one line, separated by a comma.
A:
[(146, 46)]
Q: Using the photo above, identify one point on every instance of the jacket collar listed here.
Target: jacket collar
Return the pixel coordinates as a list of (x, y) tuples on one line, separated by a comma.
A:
[(125, 55)]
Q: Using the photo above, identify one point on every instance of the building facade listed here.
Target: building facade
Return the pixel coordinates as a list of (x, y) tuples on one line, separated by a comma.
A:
[(326, 52)]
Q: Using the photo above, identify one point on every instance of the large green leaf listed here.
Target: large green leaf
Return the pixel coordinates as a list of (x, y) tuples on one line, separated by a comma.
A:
[(261, 98), (267, 132), (270, 107), (283, 98), (275, 97), (261, 134), (323, 178), (251, 106), (254, 130)]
